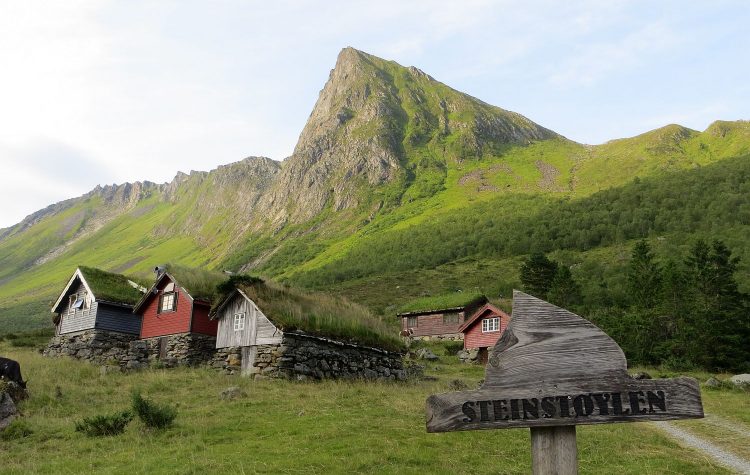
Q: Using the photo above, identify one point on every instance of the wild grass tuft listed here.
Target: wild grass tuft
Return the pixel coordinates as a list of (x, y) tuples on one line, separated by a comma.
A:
[(153, 415), (104, 425)]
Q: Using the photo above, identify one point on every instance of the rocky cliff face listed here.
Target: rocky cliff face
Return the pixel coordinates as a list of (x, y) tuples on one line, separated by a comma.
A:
[(370, 119)]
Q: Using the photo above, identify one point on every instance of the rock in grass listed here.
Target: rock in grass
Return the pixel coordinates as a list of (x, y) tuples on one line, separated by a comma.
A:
[(8, 410), (426, 354), (16, 392), (233, 392), (712, 383), (742, 380), (641, 375)]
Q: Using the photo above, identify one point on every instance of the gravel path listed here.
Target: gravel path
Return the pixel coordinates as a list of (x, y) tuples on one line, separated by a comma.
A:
[(728, 425), (721, 456)]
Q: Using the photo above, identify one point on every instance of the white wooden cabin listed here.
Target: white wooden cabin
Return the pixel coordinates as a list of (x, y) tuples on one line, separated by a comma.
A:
[(243, 324)]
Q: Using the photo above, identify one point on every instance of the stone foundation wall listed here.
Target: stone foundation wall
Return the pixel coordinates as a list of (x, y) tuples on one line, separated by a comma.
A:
[(184, 349), (97, 346), (304, 356), (128, 352), (447, 337)]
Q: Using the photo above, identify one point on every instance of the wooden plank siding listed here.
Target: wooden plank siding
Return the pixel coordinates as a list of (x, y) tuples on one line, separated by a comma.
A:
[(258, 328), (80, 319), (474, 337), (117, 319), (166, 323), (201, 322), (434, 324)]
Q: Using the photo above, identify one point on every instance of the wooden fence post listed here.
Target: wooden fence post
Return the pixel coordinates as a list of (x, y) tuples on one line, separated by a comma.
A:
[(554, 451)]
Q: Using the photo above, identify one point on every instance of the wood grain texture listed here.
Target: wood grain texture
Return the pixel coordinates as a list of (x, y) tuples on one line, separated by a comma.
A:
[(553, 368), (554, 451)]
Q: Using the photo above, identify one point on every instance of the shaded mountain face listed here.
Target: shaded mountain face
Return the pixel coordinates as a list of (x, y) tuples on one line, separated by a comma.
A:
[(387, 150)]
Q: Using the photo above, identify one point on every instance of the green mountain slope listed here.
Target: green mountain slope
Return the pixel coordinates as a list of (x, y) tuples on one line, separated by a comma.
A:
[(396, 177)]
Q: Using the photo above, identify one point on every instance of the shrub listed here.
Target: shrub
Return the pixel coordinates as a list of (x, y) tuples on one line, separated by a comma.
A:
[(105, 425), (153, 415), (17, 429), (453, 347)]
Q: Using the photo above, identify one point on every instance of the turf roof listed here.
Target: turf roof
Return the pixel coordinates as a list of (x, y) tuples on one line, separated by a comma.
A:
[(321, 314), (200, 283), (442, 302), (109, 286)]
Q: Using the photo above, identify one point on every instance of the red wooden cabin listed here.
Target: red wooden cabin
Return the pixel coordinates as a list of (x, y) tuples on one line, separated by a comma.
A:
[(175, 323), (483, 329), (437, 323)]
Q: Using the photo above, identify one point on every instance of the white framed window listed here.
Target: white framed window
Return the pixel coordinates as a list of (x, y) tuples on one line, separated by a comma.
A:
[(77, 302), (491, 324), (168, 301), (411, 322), (239, 321)]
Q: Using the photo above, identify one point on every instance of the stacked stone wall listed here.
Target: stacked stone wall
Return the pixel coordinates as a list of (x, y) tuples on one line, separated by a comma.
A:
[(305, 356), (184, 349), (96, 346)]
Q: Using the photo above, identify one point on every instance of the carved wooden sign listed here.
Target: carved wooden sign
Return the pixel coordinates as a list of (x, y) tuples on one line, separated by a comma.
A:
[(552, 368)]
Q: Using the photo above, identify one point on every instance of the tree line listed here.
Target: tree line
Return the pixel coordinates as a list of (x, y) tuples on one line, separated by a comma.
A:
[(682, 311)]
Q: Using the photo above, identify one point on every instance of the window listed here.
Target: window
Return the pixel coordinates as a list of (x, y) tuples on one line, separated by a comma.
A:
[(168, 302), (239, 322), (411, 322), (490, 324), (450, 319), (77, 302)]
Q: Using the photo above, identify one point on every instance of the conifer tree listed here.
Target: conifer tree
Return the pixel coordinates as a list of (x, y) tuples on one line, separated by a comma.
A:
[(537, 274)]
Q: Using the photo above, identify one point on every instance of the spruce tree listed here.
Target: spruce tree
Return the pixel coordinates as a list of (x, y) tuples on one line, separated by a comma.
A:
[(564, 290), (643, 277), (537, 274)]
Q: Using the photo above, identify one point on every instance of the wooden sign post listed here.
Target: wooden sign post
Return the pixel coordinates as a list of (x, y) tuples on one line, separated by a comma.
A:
[(550, 371)]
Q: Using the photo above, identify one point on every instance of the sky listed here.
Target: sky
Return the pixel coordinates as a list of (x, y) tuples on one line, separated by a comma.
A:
[(102, 92)]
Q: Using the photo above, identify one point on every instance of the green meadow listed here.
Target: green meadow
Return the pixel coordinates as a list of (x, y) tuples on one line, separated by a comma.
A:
[(309, 427)]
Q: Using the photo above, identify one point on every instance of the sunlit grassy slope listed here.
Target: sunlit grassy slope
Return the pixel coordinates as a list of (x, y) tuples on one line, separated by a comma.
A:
[(553, 182)]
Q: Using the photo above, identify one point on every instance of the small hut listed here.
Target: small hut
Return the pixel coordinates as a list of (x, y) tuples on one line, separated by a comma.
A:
[(268, 330), (176, 329), (439, 317), (482, 330), (93, 315)]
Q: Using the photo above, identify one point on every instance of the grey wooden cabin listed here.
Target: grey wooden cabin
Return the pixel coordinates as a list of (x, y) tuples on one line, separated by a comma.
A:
[(243, 324), (97, 300)]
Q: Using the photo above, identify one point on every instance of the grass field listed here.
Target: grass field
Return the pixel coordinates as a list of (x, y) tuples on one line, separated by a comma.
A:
[(303, 427)]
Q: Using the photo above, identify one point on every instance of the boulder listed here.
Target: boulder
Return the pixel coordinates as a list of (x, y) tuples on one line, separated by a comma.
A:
[(232, 393), (8, 410), (712, 383), (741, 379), (14, 390), (641, 375), (426, 354)]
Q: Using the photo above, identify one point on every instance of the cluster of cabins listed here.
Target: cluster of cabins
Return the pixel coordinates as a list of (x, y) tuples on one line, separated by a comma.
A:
[(101, 315)]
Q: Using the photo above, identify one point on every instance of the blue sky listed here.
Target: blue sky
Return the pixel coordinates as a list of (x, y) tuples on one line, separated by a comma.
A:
[(100, 92)]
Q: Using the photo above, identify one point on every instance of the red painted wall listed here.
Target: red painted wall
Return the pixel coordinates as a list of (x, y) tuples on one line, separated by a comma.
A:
[(201, 323), (432, 324), (473, 336), (166, 323)]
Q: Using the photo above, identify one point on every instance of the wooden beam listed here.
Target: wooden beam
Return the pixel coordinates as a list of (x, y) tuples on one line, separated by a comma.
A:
[(554, 451)]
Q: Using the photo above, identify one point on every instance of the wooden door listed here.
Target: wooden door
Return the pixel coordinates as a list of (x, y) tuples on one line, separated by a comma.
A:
[(162, 347), (248, 359)]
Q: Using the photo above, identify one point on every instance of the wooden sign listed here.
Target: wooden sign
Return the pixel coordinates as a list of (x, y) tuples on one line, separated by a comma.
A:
[(553, 369)]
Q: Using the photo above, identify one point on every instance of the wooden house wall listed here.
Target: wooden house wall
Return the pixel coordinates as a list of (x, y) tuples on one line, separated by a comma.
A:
[(166, 323), (81, 319), (258, 328), (432, 324), (475, 338), (117, 319), (201, 322)]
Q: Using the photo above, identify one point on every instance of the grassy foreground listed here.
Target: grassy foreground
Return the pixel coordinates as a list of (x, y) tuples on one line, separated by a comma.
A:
[(299, 427)]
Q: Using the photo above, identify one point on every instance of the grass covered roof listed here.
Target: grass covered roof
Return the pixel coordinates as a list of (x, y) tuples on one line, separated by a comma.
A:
[(111, 287), (442, 302), (320, 314), (200, 283)]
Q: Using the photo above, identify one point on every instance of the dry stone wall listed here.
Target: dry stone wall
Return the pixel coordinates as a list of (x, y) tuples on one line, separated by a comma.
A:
[(96, 346), (308, 357), (128, 352)]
